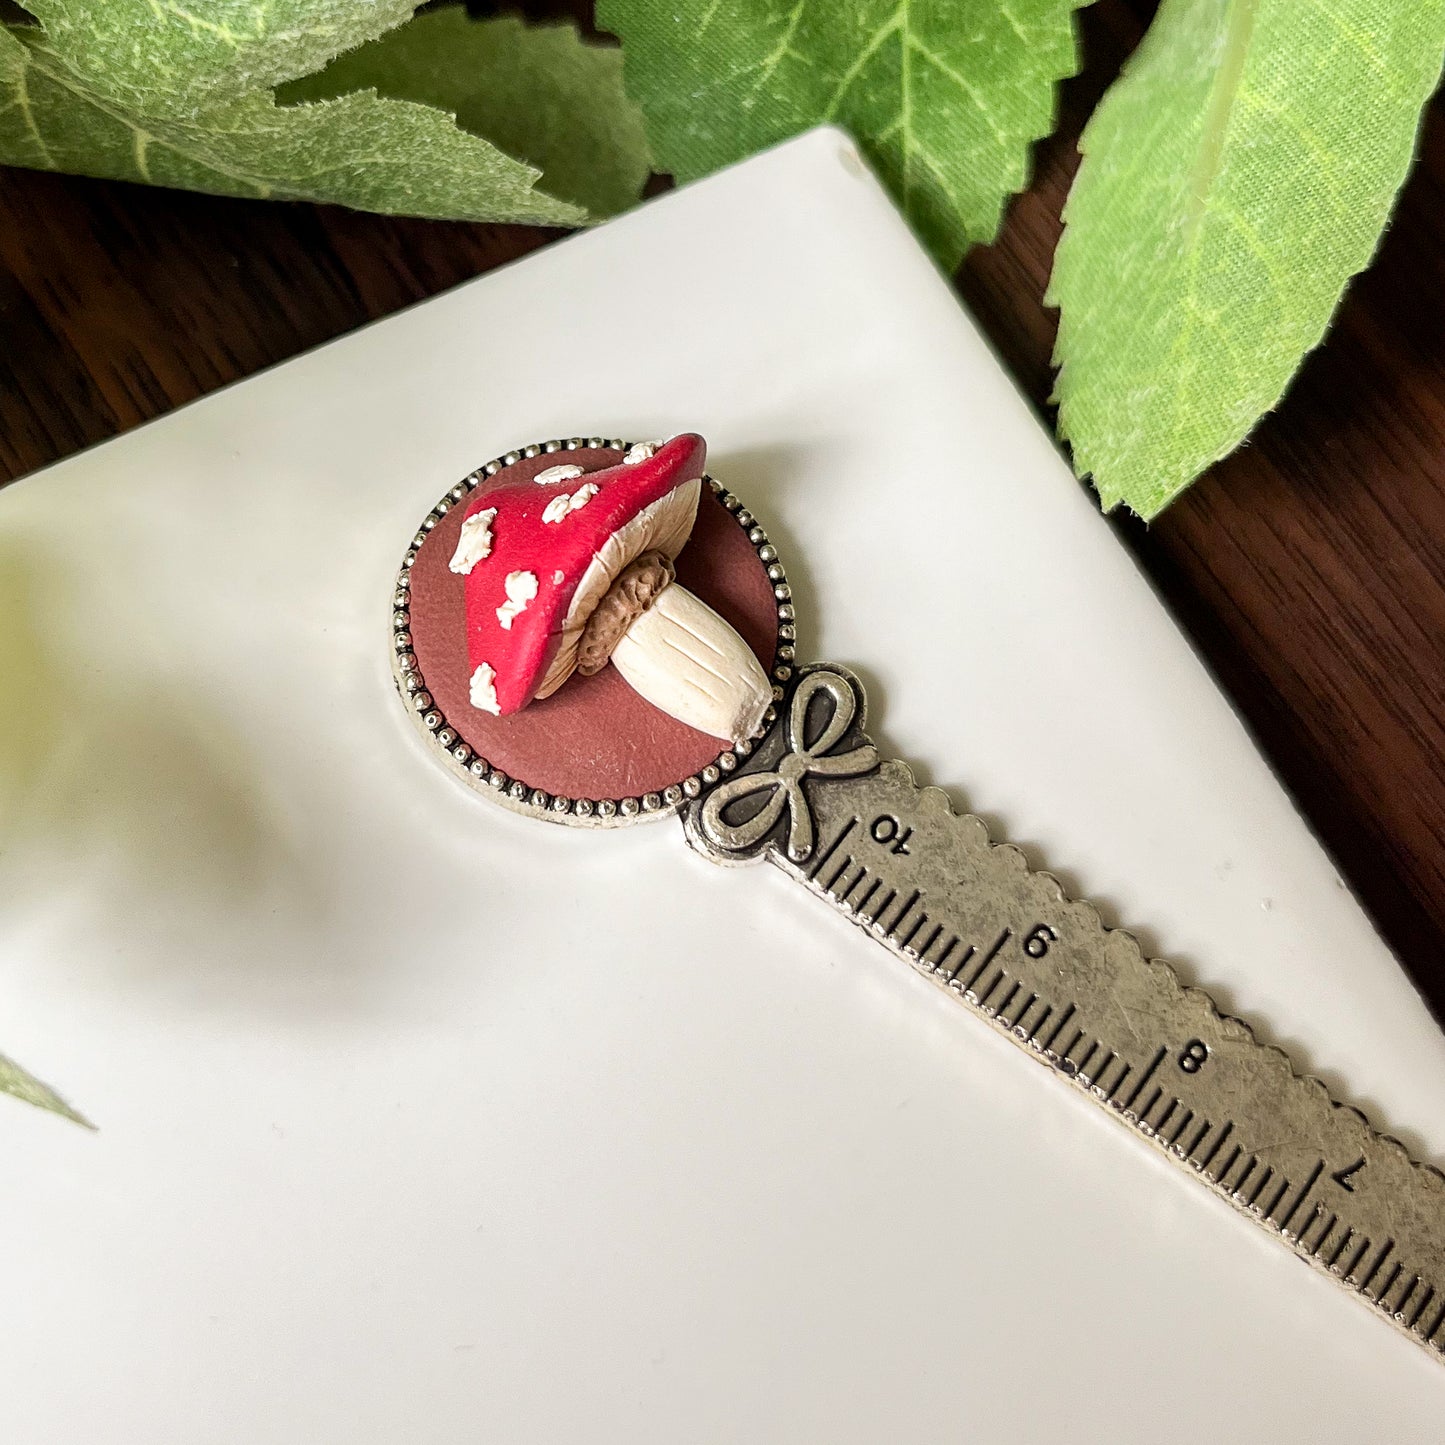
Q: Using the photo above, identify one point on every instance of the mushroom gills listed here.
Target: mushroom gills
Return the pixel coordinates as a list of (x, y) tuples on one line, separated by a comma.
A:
[(683, 658)]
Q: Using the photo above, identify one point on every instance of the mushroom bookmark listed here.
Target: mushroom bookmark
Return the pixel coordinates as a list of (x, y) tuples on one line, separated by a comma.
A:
[(597, 633)]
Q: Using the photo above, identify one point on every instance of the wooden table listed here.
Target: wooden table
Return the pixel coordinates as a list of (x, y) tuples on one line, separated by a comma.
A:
[(1309, 567)]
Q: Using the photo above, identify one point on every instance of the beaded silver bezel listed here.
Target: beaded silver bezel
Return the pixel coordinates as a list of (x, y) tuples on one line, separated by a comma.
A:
[(520, 796)]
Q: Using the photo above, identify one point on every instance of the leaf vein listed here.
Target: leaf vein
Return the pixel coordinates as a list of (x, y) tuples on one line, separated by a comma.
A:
[(845, 83), (971, 91)]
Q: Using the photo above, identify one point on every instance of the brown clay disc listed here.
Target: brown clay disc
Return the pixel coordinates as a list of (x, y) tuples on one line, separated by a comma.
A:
[(594, 737)]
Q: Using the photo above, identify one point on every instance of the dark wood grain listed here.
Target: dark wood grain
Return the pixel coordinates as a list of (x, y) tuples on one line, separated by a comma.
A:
[(1309, 567)]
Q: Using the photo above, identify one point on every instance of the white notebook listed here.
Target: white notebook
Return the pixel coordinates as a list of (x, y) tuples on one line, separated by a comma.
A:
[(420, 1121)]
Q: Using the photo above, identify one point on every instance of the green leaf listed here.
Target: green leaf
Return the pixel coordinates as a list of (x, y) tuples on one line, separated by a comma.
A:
[(539, 92), (25, 1086), (360, 150), (944, 96), (160, 55), (1234, 178)]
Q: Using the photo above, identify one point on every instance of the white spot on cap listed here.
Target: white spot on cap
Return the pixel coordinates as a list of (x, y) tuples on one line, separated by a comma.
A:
[(475, 542), (483, 690), (564, 473), (521, 589), (557, 578), (558, 508), (639, 452)]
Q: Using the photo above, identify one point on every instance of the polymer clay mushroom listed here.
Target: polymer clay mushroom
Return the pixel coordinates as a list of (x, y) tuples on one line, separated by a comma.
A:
[(571, 569)]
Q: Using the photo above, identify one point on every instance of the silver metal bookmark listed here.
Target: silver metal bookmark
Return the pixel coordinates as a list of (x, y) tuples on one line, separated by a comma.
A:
[(813, 796), (816, 800)]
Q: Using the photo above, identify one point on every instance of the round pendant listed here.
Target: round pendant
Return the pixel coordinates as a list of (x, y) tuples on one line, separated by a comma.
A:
[(595, 753)]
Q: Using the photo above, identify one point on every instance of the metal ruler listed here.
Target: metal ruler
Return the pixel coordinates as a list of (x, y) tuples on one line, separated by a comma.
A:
[(815, 798)]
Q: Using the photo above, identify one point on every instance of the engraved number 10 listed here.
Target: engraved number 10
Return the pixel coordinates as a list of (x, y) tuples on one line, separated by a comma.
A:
[(886, 829)]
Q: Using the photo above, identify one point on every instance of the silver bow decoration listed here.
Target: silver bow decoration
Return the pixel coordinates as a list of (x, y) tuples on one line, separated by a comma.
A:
[(784, 783)]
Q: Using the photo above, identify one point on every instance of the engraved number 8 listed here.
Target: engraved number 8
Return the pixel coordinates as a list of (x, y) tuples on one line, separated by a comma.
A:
[(1191, 1060)]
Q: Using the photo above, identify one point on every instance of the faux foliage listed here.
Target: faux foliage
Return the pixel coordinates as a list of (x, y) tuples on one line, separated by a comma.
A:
[(1234, 179), (21, 1084), (518, 85), (945, 96), (72, 97)]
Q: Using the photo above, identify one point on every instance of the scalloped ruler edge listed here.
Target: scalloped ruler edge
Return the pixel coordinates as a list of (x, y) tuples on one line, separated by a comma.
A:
[(814, 798)]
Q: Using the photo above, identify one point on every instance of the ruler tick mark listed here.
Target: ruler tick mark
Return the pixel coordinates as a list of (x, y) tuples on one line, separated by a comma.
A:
[(1023, 1013), (1144, 1078), (989, 957), (932, 939), (1405, 1298), (1193, 1149), (1233, 1160), (1278, 1198), (961, 964), (998, 978), (1259, 1188), (1356, 1258), (833, 847), (1059, 1027), (1303, 1194), (902, 912), (1102, 1072), (1218, 1144), (1334, 1259), (917, 927), (1328, 1230), (1389, 1283), (1007, 1000), (1380, 1259)]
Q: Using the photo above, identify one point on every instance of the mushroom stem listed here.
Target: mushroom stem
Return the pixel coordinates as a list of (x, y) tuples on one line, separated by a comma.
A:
[(683, 658)]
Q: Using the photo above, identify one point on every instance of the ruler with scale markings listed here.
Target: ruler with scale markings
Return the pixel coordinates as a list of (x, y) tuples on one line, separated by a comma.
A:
[(815, 799)]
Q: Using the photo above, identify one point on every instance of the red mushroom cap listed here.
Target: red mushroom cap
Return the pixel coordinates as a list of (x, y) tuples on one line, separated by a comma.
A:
[(545, 556)]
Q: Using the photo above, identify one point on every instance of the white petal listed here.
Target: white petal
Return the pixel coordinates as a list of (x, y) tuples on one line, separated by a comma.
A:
[(521, 589), (483, 691), (564, 473), (475, 541)]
